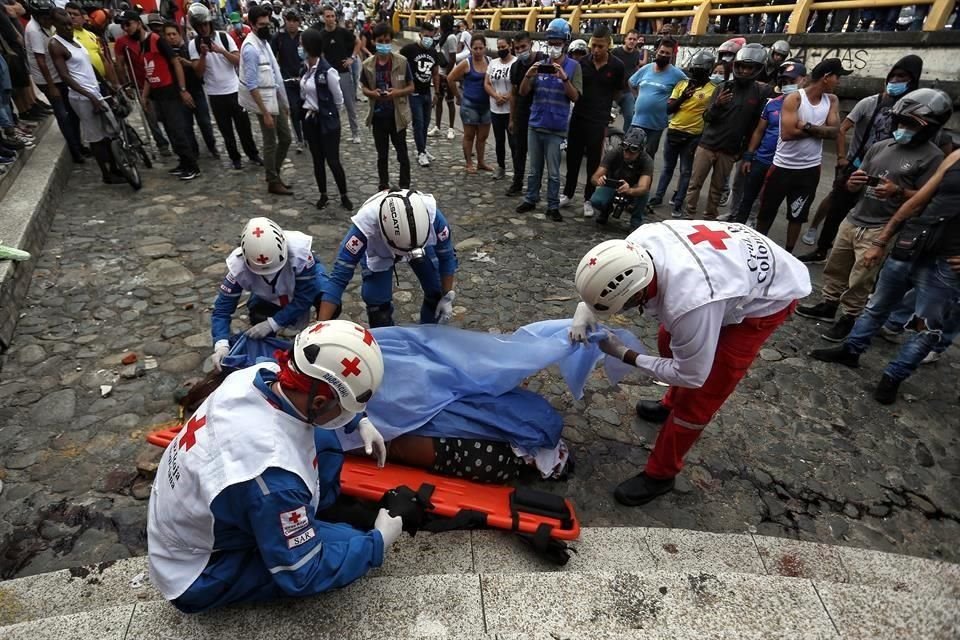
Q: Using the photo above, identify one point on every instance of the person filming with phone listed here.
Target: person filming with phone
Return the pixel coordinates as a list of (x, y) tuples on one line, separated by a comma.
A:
[(627, 172)]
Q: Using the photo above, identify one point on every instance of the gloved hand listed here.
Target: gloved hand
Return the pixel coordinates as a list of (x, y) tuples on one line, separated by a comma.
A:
[(584, 321), (262, 329), (220, 351), (372, 441), (613, 346), (445, 307), (390, 527)]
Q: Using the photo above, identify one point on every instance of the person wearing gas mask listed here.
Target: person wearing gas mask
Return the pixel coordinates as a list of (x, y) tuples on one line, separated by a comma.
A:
[(731, 117), (284, 279), (686, 106), (892, 172), (758, 157), (399, 225), (718, 291), (262, 93), (555, 84), (233, 516)]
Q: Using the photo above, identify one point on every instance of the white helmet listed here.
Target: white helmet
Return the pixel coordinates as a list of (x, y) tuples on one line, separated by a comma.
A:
[(264, 246), (611, 273), (404, 220), (345, 356), (578, 45)]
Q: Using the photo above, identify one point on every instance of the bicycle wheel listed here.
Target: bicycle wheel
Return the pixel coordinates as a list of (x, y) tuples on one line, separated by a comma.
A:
[(126, 160), (137, 143)]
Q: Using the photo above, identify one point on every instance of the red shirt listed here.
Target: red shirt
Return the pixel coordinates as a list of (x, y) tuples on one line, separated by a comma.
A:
[(239, 36), (126, 44)]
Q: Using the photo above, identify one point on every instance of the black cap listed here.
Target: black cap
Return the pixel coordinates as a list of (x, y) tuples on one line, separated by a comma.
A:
[(828, 66), (128, 16)]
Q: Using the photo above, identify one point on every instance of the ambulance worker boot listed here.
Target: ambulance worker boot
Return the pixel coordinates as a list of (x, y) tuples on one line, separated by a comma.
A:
[(652, 411), (641, 489)]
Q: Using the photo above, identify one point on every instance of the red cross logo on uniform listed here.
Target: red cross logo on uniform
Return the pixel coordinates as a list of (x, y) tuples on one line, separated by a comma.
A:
[(262, 259), (706, 234), (350, 367), (295, 517), (258, 232), (189, 437), (367, 336)]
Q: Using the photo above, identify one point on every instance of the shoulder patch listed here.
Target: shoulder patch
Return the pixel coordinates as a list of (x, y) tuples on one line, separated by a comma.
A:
[(292, 522), (354, 244), (299, 539), (444, 234)]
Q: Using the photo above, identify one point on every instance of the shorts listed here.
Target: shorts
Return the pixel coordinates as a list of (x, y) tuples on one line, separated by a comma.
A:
[(476, 460), (797, 186), (444, 92), (93, 126), (472, 114)]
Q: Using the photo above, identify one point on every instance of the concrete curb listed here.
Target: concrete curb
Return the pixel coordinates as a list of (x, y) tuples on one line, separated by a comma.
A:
[(26, 211), (672, 583)]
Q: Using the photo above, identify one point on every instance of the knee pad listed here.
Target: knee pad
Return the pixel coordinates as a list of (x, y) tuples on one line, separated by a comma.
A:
[(380, 315)]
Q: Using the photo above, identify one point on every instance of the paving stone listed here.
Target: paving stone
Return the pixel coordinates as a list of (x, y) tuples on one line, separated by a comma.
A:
[(165, 272), (55, 409)]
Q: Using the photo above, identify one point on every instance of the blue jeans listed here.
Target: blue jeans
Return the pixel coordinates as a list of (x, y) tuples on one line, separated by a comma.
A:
[(602, 201), (420, 107), (544, 147), (903, 314), (937, 289), (752, 187), (6, 93), (377, 291), (677, 147)]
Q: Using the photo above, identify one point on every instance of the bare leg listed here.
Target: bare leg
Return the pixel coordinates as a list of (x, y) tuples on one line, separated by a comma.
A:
[(469, 134), (414, 451), (793, 232), (822, 211), (483, 132)]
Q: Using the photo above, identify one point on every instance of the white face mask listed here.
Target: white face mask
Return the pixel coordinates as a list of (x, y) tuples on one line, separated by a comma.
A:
[(554, 52), (717, 78), (341, 420)]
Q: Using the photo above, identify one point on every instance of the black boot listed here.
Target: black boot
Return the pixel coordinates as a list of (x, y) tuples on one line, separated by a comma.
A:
[(840, 355), (652, 411), (821, 311), (641, 489), (839, 329), (886, 391), (322, 202), (345, 202)]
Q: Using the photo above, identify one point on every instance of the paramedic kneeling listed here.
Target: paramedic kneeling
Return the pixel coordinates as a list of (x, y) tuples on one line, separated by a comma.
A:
[(718, 291), (232, 516)]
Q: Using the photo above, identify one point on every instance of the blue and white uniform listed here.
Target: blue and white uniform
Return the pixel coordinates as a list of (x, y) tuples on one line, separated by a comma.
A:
[(364, 245), (286, 296), (232, 515)]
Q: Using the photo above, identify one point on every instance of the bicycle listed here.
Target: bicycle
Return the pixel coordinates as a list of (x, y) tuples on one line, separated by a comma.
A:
[(125, 143)]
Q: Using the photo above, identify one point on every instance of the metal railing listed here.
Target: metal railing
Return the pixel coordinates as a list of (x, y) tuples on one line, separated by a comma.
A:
[(699, 14)]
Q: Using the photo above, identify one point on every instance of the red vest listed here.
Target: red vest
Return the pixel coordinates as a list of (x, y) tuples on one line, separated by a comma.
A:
[(156, 66)]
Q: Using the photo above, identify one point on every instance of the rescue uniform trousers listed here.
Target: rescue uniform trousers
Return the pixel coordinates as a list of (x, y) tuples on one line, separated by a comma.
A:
[(377, 292), (693, 409)]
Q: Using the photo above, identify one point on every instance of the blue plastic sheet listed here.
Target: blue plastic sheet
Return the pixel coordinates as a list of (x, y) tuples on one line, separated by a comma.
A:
[(470, 377)]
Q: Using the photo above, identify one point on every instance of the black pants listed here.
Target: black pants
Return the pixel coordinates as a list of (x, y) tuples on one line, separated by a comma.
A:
[(228, 113), (583, 139), (520, 151), (201, 115), (385, 132), (797, 186), (296, 107), (173, 114), (501, 133), (842, 201), (67, 120), (325, 149)]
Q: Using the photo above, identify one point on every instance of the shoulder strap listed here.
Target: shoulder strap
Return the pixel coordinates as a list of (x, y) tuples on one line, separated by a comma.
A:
[(223, 40), (866, 132)]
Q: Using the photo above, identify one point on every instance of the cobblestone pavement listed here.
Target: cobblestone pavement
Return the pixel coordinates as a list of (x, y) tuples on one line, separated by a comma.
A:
[(800, 450)]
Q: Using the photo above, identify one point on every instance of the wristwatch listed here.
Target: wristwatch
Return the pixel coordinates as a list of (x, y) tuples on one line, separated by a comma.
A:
[(807, 126)]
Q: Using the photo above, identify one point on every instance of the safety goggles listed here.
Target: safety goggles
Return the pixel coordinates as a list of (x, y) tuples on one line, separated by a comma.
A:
[(632, 148)]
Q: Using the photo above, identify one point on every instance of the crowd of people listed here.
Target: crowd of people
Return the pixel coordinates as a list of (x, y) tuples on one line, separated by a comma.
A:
[(237, 513)]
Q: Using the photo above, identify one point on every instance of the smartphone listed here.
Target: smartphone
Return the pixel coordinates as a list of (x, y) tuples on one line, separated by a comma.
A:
[(546, 68), (873, 181)]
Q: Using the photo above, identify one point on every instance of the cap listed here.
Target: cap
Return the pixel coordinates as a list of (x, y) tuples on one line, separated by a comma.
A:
[(792, 70), (128, 16), (154, 18), (828, 66), (235, 16)]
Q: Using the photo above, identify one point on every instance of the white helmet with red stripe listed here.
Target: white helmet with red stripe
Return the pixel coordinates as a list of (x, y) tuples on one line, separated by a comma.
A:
[(345, 356), (611, 273), (404, 220), (264, 246)]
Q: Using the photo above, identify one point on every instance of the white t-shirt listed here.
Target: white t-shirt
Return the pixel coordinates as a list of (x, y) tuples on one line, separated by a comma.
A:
[(499, 73), (220, 76), (349, 13), (36, 40), (361, 14), (464, 37), (449, 48)]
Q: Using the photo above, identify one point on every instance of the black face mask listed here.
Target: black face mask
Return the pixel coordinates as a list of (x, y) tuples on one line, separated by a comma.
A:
[(503, 53), (263, 33), (662, 61)]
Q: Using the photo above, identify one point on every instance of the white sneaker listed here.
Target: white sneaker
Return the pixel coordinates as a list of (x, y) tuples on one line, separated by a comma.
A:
[(434, 132), (587, 209), (430, 156), (356, 139), (810, 236), (564, 201), (933, 356), (563, 145), (450, 134), (423, 160)]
